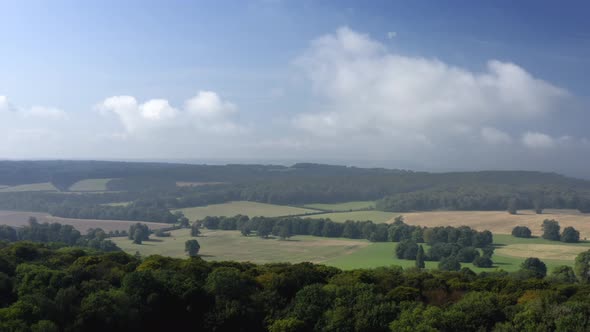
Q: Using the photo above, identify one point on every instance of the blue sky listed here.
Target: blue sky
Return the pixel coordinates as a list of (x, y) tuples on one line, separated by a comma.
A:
[(424, 84)]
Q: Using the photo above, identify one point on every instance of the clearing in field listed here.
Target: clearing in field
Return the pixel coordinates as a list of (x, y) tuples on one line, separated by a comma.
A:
[(250, 209), (340, 207), (45, 186), (231, 245), (373, 215), (90, 185), (500, 222), (19, 218)]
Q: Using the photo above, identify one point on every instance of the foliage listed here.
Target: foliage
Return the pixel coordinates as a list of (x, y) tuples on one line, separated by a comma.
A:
[(551, 230), (570, 235), (535, 267), (521, 231), (192, 247)]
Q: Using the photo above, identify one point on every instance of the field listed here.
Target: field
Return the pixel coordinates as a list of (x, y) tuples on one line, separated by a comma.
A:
[(90, 185), (196, 184), (45, 186), (500, 222), (231, 245), (375, 216), (250, 209), (339, 207), (17, 219)]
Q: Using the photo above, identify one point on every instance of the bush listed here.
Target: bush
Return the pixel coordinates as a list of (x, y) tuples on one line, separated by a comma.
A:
[(570, 235), (449, 264), (483, 262)]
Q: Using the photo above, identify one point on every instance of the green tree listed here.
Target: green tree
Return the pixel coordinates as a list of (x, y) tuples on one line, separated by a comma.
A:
[(535, 267), (570, 235), (582, 266), (420, 258), (521, 231), (449, 264), (563, 274), (287, 325), (138, 236), (285, 231), (551, 230), (195, 229), (483, 261), (191, 247)]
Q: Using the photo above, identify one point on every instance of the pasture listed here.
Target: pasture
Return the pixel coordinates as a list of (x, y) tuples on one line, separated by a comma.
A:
[(341, 207), (19, 219), (45, 186), (90, 185), (251, 209), (231, 245)]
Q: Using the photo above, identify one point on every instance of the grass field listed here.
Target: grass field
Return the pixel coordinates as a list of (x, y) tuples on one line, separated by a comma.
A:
[(339, 207), (45, 186), (90, 185), (231, 245), (375, 216), (341, 253), (250, 209), (500, 222), (18, 219)]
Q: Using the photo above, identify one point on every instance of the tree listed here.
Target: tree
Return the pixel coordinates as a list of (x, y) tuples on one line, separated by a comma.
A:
[(191, 247), (535, 267), (521, 231), (420, 258), (551, 230), (285, 231), (582, 266), (570, 235), (449, 264), (512, 206), (195, 229), (538, 205), (483, 261), (137, 236), (407, 249), (564, 274)]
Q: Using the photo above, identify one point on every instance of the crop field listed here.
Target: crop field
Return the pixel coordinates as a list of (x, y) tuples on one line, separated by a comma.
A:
[(250, 209), (231, 245), (18, 219), (340, 207), (500, 222), (90, 185), (197, 184), (45, 186), (375, 216)]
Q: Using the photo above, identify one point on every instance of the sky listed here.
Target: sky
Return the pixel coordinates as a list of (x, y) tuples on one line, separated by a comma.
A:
[(425, 85)]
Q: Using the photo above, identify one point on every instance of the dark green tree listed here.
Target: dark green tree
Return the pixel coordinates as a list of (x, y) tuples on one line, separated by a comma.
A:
[(582, 266), (521, 231), (512, 206), (535, 267), (192, 247), (570, 235), (420, 258), (551, 230), (196, 229), (449, 264), (563, 274), (483, 261)]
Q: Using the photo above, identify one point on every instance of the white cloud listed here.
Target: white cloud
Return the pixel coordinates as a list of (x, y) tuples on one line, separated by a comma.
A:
[(45, 112), (366, 89), (4, 104), (537, 140), (495, 136), (206, 112)]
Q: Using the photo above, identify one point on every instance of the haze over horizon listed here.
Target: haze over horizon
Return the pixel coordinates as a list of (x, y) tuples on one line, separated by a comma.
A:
[(424, 86)]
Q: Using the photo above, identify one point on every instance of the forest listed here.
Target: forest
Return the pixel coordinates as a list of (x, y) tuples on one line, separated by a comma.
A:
[(51, 288)]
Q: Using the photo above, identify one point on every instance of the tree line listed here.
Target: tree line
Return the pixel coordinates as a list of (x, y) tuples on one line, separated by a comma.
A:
[(551, 232)]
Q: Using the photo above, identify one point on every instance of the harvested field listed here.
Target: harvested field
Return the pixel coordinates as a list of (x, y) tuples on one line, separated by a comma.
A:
[(251, 209), (18, 219), (45, 186), (542, 251), (500, 222)]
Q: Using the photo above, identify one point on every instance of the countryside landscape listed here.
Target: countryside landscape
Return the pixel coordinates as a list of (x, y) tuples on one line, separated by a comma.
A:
[(294, 166)]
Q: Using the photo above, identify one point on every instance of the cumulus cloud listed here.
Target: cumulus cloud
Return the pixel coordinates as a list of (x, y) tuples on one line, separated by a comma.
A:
[(536, 140), (365, 88), (206, 112), (495, 136)]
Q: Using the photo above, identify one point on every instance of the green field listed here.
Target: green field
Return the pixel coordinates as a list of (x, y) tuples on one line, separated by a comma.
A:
[(375, 216), (342, 253), (251, 209), (90, 185), (231, 245), (45, 186), (339, 207)]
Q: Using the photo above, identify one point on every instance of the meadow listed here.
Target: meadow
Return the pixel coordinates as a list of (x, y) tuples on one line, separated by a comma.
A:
[(341, 207), (250, 209), (90, 185), (19, 218), (342, 253), (373, 215)]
